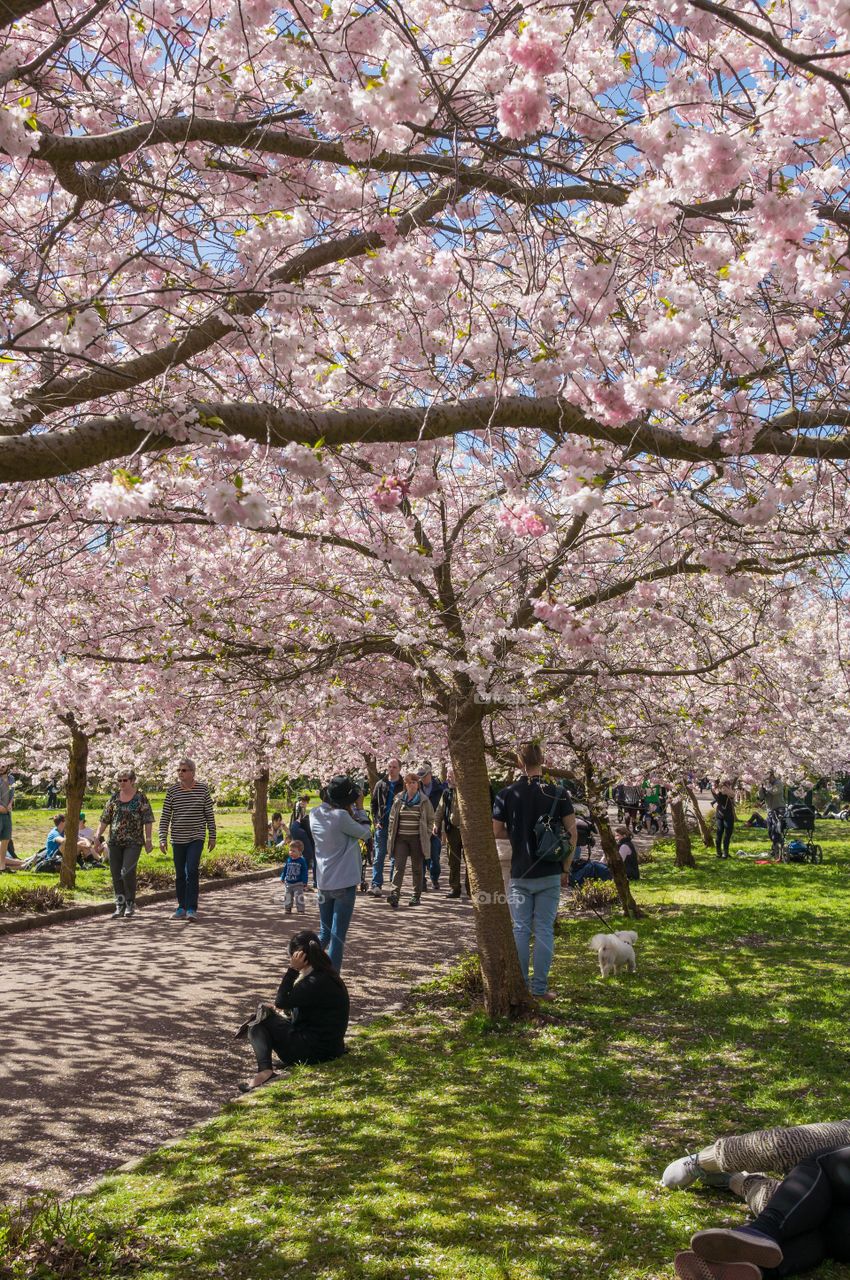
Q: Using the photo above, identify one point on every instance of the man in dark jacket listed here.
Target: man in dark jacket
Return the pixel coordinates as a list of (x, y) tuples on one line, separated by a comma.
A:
[(385, 791), (433, 789), (535, 885), (447, 829)]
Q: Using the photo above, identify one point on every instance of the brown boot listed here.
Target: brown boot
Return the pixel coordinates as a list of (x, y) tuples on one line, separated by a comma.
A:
[(690, 1266)]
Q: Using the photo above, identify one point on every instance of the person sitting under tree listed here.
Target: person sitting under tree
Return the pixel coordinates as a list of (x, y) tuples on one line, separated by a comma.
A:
[(315, 997), (799, 1221)]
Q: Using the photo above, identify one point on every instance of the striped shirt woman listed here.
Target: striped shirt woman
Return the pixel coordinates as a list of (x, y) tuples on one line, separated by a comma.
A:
[(188, 811)]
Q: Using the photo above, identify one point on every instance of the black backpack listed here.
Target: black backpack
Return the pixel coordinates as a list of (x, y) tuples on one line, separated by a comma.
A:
[(552, 842)]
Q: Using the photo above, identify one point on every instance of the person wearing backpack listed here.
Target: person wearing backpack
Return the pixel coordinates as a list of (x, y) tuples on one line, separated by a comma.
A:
[(539, 821)]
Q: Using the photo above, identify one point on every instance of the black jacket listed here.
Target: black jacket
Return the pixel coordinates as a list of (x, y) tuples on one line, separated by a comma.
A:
[(380, 808), (319, 1005)]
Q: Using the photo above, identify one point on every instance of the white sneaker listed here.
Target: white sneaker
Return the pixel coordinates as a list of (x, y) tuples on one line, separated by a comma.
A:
[(375, 891), (681, 1173)]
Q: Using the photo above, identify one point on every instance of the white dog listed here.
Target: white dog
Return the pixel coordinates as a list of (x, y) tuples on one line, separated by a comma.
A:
[(615, 951)]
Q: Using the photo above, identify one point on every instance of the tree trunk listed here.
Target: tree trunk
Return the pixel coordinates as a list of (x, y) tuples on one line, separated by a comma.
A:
[(78, 759), (700, 817), (371, 771), (260, 810), (684, 853), (505, 992), (599, 813)]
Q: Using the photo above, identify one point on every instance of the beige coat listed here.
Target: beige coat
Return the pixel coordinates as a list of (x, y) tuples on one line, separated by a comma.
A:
[(426, 824)]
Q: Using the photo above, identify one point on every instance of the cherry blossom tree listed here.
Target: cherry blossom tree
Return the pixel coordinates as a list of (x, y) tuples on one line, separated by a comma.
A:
[(468, 327), (340, 223)]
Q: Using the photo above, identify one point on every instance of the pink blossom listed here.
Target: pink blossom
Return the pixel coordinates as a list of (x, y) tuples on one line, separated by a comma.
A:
[(522, 518), (536, 54), (523, 108), (390, 493)]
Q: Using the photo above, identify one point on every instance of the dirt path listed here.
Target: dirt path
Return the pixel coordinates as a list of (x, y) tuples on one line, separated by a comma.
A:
[(117, 1036)]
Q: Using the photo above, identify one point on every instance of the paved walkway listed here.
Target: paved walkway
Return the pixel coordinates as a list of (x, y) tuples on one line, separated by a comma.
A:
[(117, 1036)]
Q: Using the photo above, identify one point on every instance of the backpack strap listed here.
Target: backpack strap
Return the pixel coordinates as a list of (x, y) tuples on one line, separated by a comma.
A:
[(559, 795)]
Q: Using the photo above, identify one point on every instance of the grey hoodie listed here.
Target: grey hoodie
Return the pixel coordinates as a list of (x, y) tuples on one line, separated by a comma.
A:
[(337, 837)]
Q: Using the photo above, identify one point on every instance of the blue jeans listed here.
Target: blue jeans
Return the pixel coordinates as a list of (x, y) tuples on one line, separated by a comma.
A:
[(534, 905), (434, 860), (336, 907), (187, 862), (379, 855)]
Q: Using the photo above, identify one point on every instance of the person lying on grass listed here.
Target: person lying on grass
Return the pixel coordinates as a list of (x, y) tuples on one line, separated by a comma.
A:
[(799, 1222), (315, 996)]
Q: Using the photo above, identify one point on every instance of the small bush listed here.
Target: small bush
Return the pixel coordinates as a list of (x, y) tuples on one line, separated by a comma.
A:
[(270, 854), (227, 864), (596, 895), (21, 901), (644, 856), (155, 878), (232, 796), (463, 982), (59, 1240)]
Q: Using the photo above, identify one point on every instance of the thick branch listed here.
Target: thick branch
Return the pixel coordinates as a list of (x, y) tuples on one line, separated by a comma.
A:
[(98, 440), (66, 393)]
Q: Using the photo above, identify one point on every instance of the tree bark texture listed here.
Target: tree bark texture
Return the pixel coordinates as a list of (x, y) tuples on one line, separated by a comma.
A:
[(78, 758), (684, 853), (372, 773), (599, 813), (700, 817), (505, 992), (260, 808)]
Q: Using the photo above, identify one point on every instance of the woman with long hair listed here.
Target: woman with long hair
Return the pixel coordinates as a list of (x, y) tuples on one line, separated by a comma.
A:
[(315, 997)]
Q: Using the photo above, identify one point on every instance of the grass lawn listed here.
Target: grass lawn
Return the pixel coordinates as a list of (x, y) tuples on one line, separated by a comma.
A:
[(235, 835), (445, 1147)]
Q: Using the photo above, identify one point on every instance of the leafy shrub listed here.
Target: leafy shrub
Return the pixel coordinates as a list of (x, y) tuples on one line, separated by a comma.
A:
[(59, 1240), (463, 982), (21, 901), (232, 795), (24, 801), (227, 864), (36, 800), (644, 856), (595, 895), (154, 878), (270, 854)]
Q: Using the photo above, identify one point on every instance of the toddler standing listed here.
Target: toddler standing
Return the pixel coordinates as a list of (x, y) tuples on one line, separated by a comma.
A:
[(294, 877)]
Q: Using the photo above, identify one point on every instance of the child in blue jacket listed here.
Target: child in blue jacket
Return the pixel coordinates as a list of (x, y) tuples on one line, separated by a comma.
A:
[(294, 877)]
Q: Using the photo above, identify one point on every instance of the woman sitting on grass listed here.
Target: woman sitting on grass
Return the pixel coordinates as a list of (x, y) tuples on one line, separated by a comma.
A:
[(799, 1222), (316, 997)]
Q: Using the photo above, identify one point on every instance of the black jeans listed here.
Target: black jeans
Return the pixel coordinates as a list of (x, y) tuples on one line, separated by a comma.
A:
[(123, 860), (809, 1216), (725, 827), (278, 1034)]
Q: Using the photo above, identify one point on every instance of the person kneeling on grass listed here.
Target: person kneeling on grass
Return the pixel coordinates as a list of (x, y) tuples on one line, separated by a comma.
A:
[(799, 1222), (316, 997)]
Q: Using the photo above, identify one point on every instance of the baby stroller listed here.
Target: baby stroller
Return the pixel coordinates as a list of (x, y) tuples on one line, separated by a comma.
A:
[(585, 829), (792, 832)]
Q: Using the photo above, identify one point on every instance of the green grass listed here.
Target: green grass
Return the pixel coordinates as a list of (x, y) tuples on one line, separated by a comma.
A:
[(444, 1146)]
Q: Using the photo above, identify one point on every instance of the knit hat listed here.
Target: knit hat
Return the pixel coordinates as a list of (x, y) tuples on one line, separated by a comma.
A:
[(341, 791)]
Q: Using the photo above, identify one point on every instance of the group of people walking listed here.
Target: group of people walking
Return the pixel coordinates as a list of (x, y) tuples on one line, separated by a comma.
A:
[(187, 817), (415, 817)]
